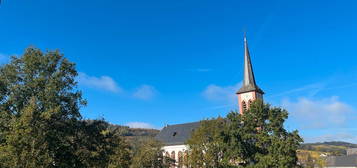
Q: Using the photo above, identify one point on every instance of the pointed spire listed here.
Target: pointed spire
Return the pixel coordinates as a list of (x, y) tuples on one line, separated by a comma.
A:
[(248, 80), (248, 70)]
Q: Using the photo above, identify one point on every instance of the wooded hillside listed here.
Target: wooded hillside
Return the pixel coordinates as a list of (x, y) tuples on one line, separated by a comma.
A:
[(334, 147)]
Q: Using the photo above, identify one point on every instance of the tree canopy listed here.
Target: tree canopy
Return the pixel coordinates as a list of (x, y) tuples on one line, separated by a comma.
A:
[(41, 124), (150, 155), (256, 139)]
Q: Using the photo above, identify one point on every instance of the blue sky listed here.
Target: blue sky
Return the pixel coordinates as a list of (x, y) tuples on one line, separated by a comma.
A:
[(150, 63)]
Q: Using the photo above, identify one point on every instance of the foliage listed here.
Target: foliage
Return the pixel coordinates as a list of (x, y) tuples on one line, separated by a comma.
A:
[(25, 147), (312, 159), (150, 155), (39, 106), (207, 145), (97, 146), (256, 139), (40, 124)]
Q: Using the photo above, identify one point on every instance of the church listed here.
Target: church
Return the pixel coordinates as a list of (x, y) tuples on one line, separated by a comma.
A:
[(174, 137)]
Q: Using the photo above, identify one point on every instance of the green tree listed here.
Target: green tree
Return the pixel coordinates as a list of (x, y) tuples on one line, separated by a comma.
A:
[(40, 124), (150, 155), (39, 108), (25, 146), (97, 146), (207, 145), (122, 154), (256, 139)]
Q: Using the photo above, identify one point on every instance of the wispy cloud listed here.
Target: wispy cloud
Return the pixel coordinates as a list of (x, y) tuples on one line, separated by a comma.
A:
[(313, 89), (106, 83), (309, 90), (140, 125), (221, 93), (317, 114), (103, 82), (145, 92)]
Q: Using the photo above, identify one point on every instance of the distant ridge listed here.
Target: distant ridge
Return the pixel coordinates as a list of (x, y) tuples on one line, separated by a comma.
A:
[(335, 143), (133, 132), (335, 147)]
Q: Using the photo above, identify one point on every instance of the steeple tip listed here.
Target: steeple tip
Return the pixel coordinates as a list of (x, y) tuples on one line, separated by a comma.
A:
[(248, 74), (245, 36)]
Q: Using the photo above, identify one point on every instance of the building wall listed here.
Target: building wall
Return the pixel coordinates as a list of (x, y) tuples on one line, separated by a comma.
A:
[(176, 149), (352, 151), (245, 97), (248, 97)]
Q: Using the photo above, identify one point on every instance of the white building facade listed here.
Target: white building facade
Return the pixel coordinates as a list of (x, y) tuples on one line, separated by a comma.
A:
[(174, 137)]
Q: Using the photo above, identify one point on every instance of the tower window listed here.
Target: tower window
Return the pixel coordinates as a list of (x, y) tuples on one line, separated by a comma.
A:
[(244, 106)]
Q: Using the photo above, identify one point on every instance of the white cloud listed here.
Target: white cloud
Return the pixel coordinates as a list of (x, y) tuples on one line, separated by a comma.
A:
[(145, 92), (345, 137), (140, 125), (324, 113), (103, 82), (221, 93)]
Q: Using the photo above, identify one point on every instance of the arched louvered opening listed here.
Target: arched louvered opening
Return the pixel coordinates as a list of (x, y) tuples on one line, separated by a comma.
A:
[(244, 106)]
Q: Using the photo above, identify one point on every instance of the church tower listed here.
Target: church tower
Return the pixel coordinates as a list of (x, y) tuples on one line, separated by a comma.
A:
[(249, 90)]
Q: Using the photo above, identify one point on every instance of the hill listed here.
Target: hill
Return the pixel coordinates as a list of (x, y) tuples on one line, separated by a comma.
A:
[(334, 147), (133, 136), (133, 132)]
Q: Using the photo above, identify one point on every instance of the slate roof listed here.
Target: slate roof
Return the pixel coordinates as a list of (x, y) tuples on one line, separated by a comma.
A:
[(249, 79), (342, 161), (177, 134)]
